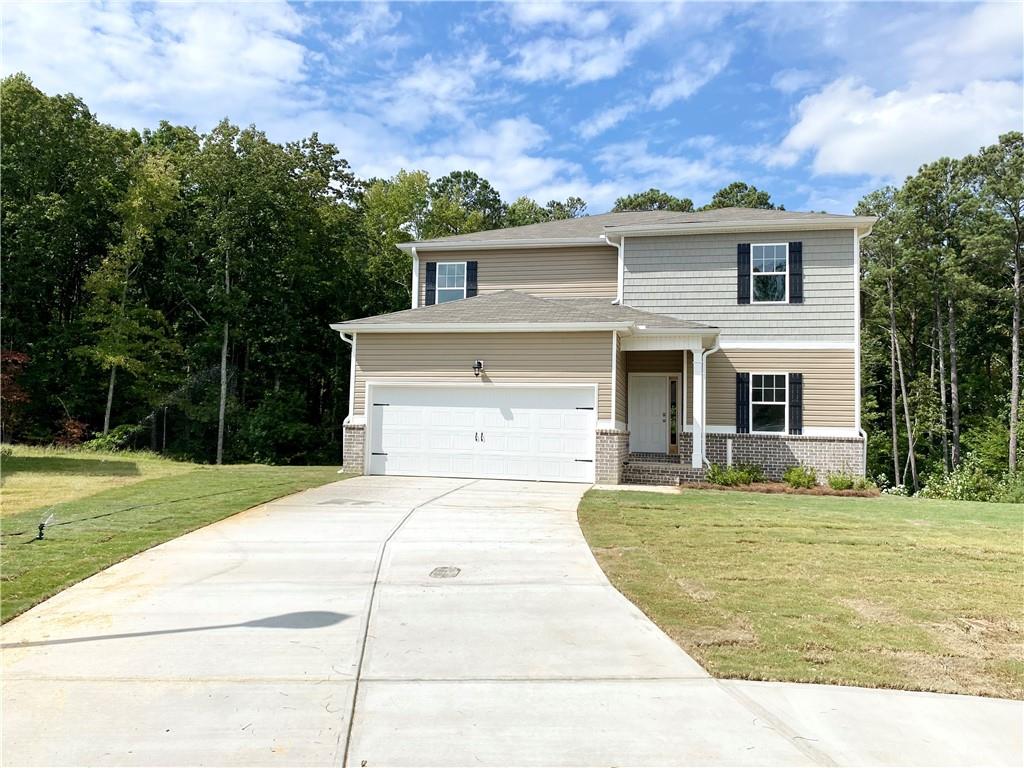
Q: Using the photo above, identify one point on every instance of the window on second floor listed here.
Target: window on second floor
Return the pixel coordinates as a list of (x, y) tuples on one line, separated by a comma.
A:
[(451, 281), (769, 272)]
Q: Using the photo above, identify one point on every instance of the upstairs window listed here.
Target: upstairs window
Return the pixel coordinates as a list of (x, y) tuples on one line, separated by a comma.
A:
[(451, 281), (769, 272), (768, 402)]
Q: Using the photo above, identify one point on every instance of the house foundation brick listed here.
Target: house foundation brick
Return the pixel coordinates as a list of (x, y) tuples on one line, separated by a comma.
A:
[(777, 453), (612, 450), (352, 448)]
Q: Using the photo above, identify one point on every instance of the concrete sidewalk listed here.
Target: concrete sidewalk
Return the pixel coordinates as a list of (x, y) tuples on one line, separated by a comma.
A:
[(253, 642)]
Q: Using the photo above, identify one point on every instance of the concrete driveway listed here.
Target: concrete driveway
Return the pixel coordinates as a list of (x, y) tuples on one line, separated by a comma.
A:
[(419, 621)]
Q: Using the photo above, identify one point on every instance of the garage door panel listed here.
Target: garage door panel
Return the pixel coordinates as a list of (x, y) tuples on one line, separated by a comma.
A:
[(527, 433)]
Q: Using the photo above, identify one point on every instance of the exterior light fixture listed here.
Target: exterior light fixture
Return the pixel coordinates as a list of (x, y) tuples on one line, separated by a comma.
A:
[(478, 367)]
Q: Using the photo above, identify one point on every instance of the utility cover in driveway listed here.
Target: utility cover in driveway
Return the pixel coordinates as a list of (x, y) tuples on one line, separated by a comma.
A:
[(483, 430)]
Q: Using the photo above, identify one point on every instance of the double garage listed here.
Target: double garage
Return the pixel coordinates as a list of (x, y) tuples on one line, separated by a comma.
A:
[(508, 432)]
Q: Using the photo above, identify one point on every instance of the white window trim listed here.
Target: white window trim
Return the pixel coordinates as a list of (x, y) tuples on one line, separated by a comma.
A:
[(752, 273), (784, 403), (437, 288)]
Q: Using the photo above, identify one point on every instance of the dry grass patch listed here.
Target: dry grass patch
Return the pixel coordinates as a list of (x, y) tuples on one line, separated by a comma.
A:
[(884, 592)]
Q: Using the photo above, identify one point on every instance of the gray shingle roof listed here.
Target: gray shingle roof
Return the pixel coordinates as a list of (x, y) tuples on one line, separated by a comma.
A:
[(593, 227), (519, 308)]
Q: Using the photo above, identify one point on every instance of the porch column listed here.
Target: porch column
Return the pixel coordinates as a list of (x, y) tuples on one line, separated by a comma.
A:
[(697, 402)]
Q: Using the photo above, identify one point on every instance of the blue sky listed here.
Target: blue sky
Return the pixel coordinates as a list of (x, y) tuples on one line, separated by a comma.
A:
[(816, 102)]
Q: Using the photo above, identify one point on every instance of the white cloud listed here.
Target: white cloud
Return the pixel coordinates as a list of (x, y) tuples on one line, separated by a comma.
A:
[(793, 80), (605, 120), (985, 44), (591, 57), (851, 129), (370, 24), (186, 63), (576, 16), (686, 79)]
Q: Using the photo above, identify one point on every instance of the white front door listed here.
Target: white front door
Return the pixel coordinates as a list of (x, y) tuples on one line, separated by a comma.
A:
[(648, 413), (517, 433)]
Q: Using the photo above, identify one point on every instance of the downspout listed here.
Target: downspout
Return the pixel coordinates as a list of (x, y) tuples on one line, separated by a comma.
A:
[(351, 341), (415, 277), (857, 237), (704, 403), (620, 246)]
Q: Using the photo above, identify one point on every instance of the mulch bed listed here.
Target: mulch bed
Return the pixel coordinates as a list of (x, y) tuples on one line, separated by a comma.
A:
[(818, 490)]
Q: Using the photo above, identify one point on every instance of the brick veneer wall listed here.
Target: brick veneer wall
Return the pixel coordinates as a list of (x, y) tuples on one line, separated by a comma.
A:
[(776, 453), (612, 450), (353, 443)]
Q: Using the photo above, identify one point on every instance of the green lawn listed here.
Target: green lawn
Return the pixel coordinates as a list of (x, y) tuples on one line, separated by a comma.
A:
[(95, 530), (885, 592), (38, 476)]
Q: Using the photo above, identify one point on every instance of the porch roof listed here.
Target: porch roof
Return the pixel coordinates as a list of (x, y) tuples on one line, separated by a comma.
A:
[(516, 311)]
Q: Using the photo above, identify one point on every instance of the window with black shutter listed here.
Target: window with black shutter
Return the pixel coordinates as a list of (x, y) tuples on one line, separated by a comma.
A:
[(742, 402), (470, 279), (796, 273), (743, 273), (796, 403), (431, 284)]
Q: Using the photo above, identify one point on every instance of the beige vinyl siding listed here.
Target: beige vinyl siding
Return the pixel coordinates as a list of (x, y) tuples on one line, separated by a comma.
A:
[(509, 358), (828, 383), (584, 272), (694, 277)]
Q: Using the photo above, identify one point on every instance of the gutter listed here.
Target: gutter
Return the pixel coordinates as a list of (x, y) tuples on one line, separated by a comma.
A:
[(776, 225), (476, 245), (625, 327)]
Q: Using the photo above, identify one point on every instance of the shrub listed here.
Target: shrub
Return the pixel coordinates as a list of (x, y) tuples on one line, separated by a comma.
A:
[(842, 481), (71, 432), (1010, 489), (738, 474), (118, 439), (967, 482), (896, 490), (800, 477)]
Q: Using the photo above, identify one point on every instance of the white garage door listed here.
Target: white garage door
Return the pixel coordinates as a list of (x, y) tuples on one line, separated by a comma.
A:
[(518, 433)]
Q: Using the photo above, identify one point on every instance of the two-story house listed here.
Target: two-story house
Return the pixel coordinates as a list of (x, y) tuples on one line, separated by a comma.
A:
[(623, 347)]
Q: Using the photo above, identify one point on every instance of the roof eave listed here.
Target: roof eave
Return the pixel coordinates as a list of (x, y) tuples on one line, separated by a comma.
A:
[(477, 327), (708, 227), (477, 245)]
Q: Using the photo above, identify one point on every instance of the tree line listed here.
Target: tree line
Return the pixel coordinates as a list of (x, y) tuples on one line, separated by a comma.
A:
[(941, 326), (172, 289)]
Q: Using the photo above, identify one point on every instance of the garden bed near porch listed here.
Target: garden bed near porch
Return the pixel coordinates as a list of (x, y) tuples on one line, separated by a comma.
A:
[(777, 487)]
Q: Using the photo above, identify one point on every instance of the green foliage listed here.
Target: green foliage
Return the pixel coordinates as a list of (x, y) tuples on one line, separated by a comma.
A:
[(653, 200), (1010, 489), (967, 482), (737, 474), (120, 438), (741, 195), (800, 476), (842, 481)]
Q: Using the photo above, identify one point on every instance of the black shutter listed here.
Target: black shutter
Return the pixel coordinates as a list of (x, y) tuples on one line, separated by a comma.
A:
[(743, 273), (796, 273), (796, 403), (470, 279), (743, 402), (431, 292)]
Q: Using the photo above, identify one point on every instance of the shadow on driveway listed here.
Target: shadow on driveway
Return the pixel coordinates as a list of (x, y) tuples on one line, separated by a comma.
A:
[(300, 620)]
